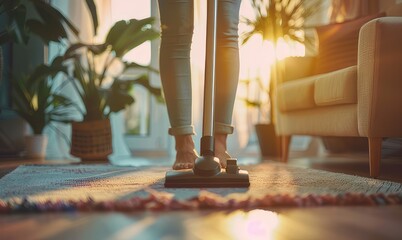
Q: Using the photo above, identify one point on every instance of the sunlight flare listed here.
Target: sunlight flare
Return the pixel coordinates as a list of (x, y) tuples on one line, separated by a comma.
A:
[(256, 224)]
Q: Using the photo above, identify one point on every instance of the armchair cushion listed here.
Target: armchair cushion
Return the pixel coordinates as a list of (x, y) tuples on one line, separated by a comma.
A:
[(338, 87), (338, 44), (334, 88), (296, 95)]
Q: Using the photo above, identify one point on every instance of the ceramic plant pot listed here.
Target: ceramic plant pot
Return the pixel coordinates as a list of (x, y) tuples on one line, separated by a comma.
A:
[(35, 146), (268, 141)]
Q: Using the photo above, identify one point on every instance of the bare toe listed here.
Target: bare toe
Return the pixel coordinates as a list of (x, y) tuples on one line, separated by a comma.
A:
[(178, 166), (185, 160)]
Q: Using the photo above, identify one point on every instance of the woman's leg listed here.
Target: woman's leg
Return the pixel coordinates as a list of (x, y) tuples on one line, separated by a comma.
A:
[(176, 37), (227, 73)]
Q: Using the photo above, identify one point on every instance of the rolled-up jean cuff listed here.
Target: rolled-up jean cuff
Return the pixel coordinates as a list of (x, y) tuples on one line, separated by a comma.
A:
[(183, 130), (223, 128)]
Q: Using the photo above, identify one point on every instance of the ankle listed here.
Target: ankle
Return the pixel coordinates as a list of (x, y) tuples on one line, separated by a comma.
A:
[(220, 142), (184, 143)]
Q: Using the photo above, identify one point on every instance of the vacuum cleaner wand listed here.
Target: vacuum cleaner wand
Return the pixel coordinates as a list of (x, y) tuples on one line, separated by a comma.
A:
[(210, 59), (207, 171), (208, 164)]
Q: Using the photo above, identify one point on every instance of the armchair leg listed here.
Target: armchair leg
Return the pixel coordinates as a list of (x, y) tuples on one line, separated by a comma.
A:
[(285, 142), (374, 155)]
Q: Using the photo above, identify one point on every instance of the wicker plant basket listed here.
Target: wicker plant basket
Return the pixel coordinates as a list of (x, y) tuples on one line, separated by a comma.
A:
[(92, 140)]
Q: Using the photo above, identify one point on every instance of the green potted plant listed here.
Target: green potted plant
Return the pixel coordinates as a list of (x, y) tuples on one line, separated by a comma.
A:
[(39, 104), (101, 93), (273, 20), (34, 97)]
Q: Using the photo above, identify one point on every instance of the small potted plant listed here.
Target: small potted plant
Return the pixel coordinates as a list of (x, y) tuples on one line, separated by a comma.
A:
[(35, 100)]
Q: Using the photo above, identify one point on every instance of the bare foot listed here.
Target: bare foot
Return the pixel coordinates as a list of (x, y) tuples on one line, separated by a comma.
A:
[(185, 152), (220, 149)]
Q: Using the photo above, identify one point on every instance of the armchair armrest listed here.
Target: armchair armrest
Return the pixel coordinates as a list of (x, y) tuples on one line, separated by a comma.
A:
[(298, 67), (379, 78)]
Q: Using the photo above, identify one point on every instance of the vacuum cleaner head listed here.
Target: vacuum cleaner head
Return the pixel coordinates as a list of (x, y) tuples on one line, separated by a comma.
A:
[(232, 176)]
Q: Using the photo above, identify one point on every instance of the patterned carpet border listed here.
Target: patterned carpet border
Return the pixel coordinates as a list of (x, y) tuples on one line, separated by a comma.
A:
[(86, 188), (162, 201)]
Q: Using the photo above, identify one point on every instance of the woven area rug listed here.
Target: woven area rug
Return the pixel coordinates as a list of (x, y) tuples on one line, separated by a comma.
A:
[(42, 188)]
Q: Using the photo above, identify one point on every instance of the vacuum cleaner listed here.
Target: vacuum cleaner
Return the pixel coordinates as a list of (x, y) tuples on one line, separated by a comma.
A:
[(207, 171)]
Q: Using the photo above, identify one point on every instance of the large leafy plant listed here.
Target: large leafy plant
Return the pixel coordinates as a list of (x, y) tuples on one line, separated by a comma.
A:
[(34, 96), (36, 100), (276, 19), (101, 92)]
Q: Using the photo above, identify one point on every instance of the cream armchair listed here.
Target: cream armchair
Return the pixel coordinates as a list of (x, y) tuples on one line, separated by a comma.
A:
[(363, 100)]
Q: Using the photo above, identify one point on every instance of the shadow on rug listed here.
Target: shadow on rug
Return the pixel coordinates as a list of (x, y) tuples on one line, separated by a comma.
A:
[(41, 188)]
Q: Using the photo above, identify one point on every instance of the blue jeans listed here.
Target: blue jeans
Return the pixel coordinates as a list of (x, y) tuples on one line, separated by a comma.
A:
[(177, 25)]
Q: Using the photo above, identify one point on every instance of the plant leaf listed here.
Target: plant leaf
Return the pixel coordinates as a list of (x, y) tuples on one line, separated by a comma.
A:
[(22, 100), (8, 6), (117, 99), (94, 48), (52, 21), (126, 35), (47, 32), (92, 9), (133, 65), (17, 18), (250, 103), (144, 81), (49, 13), (43, 71)]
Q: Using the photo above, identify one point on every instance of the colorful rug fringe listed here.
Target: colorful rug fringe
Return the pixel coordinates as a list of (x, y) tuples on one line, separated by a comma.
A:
[(160, 201)]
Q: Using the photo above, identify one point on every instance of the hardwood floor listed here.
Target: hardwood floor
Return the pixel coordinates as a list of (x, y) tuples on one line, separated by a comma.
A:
[(314, 223), (353, 164), (382, 222)]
